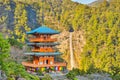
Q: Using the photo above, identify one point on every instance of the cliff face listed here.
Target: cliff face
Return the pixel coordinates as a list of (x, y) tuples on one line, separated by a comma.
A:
[(78, 42), (3, 75)]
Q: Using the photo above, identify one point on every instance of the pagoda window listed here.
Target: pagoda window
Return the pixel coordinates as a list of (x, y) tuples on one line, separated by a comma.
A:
[(51, 62), (41, 36), (46, 61), (45, 36), (33, 62), (33, 37), (40, 62), (36, 35), (48, 36)]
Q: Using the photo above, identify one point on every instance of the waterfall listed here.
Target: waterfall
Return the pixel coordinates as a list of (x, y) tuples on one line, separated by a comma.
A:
[(72, 63)]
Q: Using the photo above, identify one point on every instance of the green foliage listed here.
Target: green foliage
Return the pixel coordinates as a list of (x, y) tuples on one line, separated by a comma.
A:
[(11, 68), (4, 49), (115, 71), (14, 42), (39, 72), (3, 19), (73, 73), (20, 16), (4, 45), (46, 77), (116, 77)]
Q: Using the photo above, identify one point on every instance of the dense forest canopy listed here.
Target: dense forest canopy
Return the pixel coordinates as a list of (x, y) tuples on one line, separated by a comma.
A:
[(100, 24)]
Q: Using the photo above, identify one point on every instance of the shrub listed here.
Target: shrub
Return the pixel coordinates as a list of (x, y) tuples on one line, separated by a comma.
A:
[(14, 42), (116, 77), (73, 73), (47, 77)]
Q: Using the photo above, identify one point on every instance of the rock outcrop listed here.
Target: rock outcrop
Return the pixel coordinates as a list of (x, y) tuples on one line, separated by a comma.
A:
[(2, 75), (95, 77)]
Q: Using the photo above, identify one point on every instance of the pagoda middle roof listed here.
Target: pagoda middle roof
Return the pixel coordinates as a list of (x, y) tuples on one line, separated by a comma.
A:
[(43, 30), (43, 54), (55, 43)]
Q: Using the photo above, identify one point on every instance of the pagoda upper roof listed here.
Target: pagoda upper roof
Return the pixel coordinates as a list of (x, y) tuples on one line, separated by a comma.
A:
[(43, 30)]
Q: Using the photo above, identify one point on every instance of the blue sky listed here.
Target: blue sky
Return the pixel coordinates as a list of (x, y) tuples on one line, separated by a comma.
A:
[(84, 1)]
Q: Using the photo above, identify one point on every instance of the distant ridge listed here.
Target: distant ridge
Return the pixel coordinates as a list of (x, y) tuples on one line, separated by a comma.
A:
[(96, 3)]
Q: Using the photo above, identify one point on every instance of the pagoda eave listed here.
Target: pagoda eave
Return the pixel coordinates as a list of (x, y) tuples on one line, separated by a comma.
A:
[(43, 30), (55, 43), (43, 54), (42, 33)]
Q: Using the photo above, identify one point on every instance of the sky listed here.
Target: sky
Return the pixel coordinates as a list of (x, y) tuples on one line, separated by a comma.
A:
[(84, 1)]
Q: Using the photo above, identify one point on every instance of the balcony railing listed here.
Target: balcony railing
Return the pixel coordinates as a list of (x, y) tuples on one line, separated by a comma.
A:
[(29, 64), (42, 40), (43, 50)]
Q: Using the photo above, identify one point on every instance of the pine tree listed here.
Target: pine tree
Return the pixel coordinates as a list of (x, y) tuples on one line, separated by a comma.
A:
[(20, 22)]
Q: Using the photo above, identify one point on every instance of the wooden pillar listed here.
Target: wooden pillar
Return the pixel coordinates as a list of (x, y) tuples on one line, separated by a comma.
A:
[(48, 36), (35, 60), (51, 60), (41, 60)]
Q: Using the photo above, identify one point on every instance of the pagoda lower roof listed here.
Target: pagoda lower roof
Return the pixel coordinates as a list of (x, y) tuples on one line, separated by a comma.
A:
[(55, 43), (42, 54)]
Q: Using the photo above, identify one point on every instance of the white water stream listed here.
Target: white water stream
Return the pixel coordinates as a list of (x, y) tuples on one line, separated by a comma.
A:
[(72, 62)]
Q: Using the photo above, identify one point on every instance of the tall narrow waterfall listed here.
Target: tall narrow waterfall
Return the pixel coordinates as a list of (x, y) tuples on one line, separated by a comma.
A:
[(72, 63)]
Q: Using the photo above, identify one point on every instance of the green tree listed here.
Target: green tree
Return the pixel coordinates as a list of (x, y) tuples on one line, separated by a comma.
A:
[(47, 77), (4, 49), (20, 16)]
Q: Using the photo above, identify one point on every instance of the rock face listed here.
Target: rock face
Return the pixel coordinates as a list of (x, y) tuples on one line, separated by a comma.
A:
[(2, 75), (64, 47), (94, 77), (21, 79), (17, 54), (86, 77)]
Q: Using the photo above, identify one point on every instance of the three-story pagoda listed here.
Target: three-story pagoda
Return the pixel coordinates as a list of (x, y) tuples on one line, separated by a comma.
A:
[(43, 50)]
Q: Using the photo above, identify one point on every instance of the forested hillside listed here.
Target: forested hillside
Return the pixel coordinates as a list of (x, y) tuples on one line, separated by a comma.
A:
[(96, 36)]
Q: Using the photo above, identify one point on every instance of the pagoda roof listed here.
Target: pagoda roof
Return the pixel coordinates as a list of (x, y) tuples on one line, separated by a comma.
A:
[(43, 54), (55, 43), (43, 30)]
